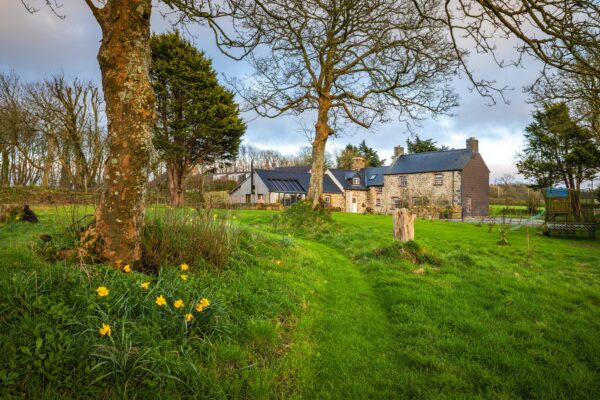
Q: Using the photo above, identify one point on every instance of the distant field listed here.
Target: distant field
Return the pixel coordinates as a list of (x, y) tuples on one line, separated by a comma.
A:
[(334, 312)]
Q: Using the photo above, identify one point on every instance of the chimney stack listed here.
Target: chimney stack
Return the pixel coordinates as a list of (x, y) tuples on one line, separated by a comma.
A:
[(357, 163), (473, 144), (398, 151)]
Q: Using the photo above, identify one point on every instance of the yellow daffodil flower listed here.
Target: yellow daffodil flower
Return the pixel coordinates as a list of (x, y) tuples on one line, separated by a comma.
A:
[(184, 267), (189, 317), (184, 277), (277, 262), (204, 302), (160, 300), (199, 307), (215, 216), (102, 291), (127, 268), (178, 303), (105, 330), (145, 285)]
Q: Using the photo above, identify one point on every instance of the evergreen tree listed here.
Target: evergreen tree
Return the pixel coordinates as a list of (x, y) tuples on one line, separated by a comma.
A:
[(198, 121), (370, 155), (558, 150), (419, 145)]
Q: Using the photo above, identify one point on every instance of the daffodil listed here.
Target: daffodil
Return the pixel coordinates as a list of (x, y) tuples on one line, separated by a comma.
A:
[(202, 305), (184, 277), (160, 300), (127, 268), (215, 216), (184, 267), (102, 291), (234, 217), (277, 262), (178, 303), (189, 317), (105, 330), (145, 285)]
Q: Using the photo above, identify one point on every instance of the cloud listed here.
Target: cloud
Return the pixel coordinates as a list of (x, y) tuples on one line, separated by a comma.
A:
[(38, 45)]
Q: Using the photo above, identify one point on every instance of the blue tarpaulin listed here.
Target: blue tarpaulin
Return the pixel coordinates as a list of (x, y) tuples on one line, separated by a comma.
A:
[(556, 193)]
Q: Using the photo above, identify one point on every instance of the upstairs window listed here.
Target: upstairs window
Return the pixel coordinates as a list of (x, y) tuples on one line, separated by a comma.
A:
[(356, 181), (403, 181), (438, 180), (378, 190)]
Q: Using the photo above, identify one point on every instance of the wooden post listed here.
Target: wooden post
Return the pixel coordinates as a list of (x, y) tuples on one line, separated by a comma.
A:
[(404, 225)]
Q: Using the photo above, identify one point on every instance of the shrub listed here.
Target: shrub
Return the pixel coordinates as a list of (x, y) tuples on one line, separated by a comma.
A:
[(303, 214), (410, 251), (199, 237)]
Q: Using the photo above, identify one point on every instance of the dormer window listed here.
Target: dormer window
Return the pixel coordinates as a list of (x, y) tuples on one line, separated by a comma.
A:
[(356, 181)]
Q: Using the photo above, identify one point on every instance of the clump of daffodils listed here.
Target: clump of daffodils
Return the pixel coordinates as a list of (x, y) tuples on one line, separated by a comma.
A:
[(105, 330)]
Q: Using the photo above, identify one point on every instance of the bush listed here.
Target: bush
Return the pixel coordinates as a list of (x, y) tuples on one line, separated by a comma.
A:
[(198, 237), (410, 251), (303, 214)]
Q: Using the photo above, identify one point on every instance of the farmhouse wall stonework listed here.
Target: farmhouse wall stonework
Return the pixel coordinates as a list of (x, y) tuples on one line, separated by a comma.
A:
[(420, 189)]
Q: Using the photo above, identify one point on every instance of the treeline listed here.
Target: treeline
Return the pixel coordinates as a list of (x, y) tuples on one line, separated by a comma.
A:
[(52, 133)]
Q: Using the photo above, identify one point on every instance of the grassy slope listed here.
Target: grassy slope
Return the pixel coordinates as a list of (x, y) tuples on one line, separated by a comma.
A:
[(486, 323), (319, 316)]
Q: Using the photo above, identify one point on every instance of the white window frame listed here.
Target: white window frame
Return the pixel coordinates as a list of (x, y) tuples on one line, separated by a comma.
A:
[(403, 181), (435, 180), (378, 189), (396, 202), (378, 202), (356, 181)]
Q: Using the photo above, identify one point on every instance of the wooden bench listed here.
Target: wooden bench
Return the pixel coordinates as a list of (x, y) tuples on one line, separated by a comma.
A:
[(571, 228)]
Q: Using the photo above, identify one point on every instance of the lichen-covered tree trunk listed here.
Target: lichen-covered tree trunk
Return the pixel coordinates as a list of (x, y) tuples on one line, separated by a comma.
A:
[(175, 177), (322, 132), (124, 59)]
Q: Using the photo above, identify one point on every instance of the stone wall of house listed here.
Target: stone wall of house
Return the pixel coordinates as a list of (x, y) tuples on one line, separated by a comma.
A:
[(376, 193), (421, 190), (338, 202), (362, 200)]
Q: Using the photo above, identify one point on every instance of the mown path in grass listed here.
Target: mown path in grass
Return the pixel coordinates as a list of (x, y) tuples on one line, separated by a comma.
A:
[(352, 354)]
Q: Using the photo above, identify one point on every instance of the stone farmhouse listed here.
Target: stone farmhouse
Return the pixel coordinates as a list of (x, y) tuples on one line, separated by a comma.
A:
[(457, 180)]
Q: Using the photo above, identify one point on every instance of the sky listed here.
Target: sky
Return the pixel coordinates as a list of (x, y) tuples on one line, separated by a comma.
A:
[(35, 46)]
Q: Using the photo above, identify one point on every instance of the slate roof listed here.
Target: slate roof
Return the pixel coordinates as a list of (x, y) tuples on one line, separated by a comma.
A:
[(372, 176), (431, 161), (285, 181)]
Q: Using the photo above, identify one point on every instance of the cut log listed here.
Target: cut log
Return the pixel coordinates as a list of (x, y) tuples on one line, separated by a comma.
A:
[(404, 225)]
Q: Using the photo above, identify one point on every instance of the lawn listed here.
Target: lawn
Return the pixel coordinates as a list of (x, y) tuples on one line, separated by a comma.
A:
[(335, 311)]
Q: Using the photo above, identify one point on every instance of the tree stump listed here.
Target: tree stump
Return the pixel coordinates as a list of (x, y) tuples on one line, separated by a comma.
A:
[(404, 225)]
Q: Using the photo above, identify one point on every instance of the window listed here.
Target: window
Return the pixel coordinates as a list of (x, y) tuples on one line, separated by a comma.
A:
[(372, 177), (402, 180), (378, 190), (248, 198), (378, 202), (356, 181), (261, 197), (439, 180), (327, 201), (396, 202)]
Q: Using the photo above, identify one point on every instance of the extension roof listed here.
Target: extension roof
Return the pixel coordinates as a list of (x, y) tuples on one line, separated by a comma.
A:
[(431, 161), (286, 181)]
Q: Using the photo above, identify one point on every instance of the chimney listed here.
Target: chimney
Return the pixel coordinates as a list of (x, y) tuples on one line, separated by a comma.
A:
[(398, 151), (473, 144), (357, 163)]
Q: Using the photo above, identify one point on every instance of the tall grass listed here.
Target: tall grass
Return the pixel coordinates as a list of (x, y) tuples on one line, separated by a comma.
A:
[(193, 236)]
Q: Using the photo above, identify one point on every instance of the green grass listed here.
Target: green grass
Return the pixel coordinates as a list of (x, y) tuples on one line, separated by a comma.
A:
[(335, 312)]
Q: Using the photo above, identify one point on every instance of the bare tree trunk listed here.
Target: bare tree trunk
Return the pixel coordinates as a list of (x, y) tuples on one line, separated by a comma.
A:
[(124, 59), (48, 164), (175, 177), (4, 173), (322, 132)]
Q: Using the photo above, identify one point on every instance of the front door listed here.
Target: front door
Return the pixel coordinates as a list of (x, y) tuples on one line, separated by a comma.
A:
[(354, 205)]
